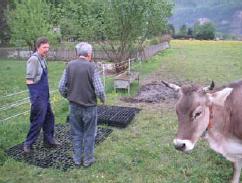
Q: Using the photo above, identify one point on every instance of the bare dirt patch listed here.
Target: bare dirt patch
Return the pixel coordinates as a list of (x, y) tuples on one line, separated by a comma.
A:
[(154, 92)]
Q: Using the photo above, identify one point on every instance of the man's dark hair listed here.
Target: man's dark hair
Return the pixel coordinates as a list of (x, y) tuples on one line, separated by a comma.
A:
[(41, 40)]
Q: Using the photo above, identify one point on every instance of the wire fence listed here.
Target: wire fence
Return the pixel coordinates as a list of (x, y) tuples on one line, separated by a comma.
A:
[(14, 116), (121, 67), (67, 54), (13, 94), (16, 104), (102, 71), (125, 65)]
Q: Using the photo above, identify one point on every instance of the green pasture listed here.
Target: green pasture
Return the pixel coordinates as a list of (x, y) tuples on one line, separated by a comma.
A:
[(143, 152)]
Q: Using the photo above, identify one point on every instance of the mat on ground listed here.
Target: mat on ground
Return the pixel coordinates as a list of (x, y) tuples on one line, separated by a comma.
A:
[(115, 115), (58, 158)]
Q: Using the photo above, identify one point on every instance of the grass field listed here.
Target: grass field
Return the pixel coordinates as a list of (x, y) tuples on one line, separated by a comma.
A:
[(142, 152)]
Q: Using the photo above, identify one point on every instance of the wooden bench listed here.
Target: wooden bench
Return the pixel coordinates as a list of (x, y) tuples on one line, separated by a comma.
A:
[(124, 80)]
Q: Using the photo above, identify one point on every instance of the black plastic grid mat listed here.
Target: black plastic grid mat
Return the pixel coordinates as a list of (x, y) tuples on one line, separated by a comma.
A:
[(115, 115), (58, 158)]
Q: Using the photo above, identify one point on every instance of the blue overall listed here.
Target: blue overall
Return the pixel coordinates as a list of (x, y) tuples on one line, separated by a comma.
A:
[(41, 115)]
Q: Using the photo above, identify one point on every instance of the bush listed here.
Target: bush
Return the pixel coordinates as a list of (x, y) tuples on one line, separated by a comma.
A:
[(204, 31), (182, 36), (154, 41)]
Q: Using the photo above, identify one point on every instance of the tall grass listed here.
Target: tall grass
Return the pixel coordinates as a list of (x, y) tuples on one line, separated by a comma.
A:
[(142, 152)]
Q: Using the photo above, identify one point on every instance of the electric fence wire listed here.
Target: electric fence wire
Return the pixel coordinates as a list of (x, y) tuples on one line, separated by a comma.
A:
[(14, 116), (12, 94), (14, 104), (22, 113), (19, 102)]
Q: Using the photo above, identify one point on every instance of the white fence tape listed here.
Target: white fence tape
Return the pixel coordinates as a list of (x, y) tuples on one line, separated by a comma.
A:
[(12, 94)]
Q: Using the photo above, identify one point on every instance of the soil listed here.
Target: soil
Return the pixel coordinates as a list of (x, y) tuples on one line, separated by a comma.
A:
[(153, 93)]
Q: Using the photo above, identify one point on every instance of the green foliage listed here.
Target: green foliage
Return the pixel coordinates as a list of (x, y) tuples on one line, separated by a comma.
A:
[(117, 25), (204, 31), (78, 20), (3, 25), (171, 29), (4, 28), (126, 24), (29, 20), (189, 31), (56, 13), (183, 30)]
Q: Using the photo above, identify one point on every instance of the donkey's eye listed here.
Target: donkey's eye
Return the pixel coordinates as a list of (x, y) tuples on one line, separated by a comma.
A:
[(197, 114)]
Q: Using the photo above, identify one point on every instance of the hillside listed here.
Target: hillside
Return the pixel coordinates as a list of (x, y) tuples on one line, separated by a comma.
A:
[(225, 14)]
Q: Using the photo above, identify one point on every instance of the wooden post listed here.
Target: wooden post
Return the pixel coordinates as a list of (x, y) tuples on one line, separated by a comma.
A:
[(104, 77), (129, 89)]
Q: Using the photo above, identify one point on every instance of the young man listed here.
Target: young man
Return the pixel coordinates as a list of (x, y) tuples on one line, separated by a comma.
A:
[(41, 115), (81, 85)]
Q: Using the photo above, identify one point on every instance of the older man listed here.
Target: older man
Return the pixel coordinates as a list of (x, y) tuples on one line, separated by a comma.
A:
[(81, 85)]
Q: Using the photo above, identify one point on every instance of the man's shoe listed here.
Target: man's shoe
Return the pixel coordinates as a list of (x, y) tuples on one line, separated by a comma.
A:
[(77, 165), (88, 163), (27, 149), (54, 143)]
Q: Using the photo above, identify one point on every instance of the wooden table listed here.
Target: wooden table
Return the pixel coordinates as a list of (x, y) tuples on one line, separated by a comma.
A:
[(124, 80)]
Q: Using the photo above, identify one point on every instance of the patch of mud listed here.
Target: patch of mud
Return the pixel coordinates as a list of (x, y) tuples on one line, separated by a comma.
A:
[(154, 92)]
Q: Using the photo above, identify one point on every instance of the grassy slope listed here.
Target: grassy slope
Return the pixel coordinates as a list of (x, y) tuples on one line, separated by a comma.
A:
[(143, 152), (203, 61)]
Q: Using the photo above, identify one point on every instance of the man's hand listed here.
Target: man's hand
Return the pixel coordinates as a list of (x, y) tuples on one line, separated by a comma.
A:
[(29, 82), (102, 101)]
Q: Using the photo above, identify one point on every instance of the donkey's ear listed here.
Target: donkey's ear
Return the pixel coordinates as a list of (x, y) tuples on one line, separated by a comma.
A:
[(219, 97)]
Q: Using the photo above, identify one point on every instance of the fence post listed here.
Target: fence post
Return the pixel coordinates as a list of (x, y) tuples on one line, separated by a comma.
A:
[(18, 53), (129, 67), (104, 77)]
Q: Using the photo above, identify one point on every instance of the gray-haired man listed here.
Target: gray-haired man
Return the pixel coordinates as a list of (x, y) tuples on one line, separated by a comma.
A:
[(81, 85)]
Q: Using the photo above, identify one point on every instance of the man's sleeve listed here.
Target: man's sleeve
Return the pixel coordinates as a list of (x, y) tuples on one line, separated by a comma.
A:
[(63, 84), (99, 89), (32, 68)]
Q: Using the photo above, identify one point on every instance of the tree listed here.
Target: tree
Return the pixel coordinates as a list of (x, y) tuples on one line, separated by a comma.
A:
[(126, 24), (171, 30), (29, 20), (204, 31), (183, 31), (56, 11), (189, 32), (4, 28), (78, 19), (118, 26)]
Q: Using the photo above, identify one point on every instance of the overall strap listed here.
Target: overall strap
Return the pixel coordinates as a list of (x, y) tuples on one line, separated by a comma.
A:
[(40, 62)]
